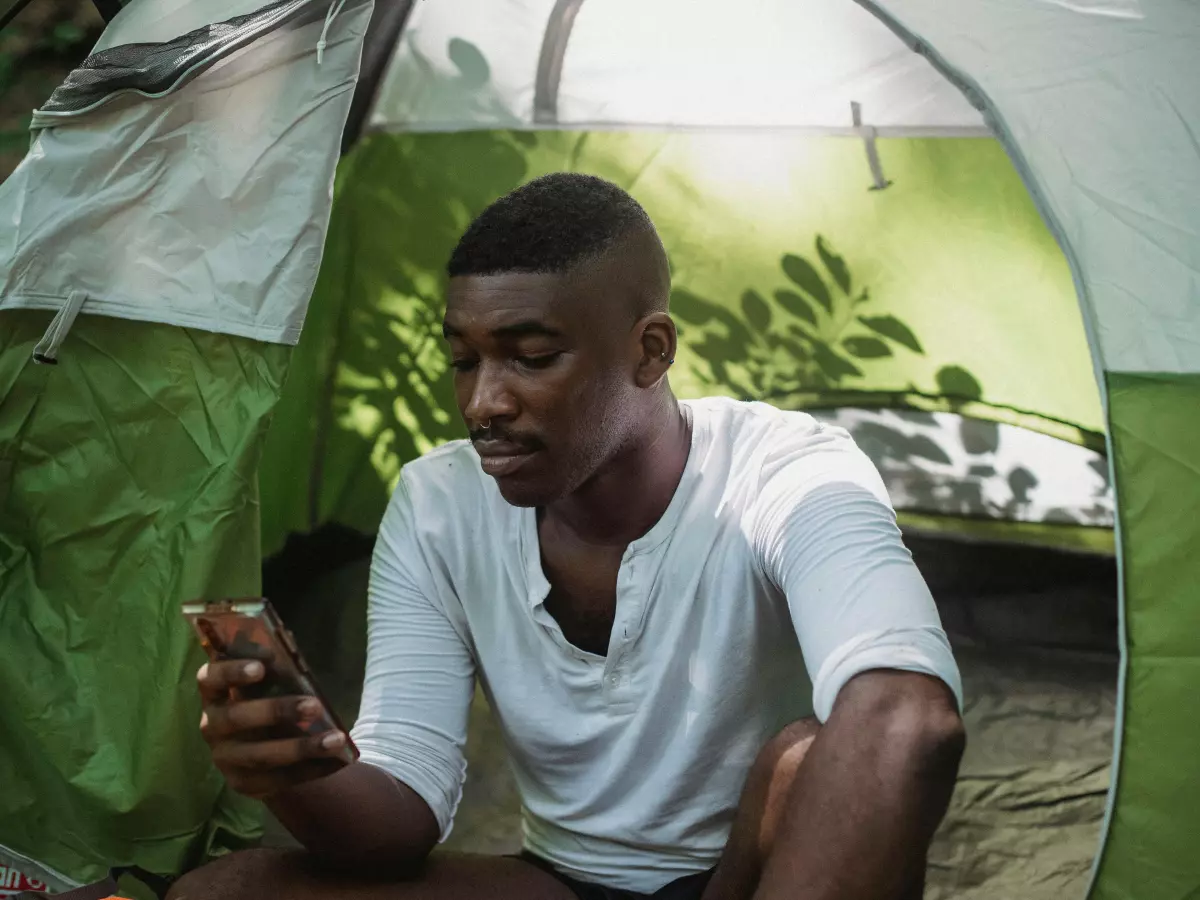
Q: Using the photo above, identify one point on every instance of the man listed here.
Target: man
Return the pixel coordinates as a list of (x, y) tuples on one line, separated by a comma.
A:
[(639, 585)]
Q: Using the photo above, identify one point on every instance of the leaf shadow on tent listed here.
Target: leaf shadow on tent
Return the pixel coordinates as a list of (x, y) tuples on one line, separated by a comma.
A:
[(369, 388), (811, 336), (820, 336), (391, 395)]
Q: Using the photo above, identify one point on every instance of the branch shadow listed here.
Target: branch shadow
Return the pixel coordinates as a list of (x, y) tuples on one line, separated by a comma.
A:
[(821, 332)]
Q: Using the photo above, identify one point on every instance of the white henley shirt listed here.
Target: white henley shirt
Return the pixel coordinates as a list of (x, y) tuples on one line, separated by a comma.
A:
[(776, 574)]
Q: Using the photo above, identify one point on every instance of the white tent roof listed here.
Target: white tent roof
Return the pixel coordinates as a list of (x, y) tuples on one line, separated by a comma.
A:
[(671, 64), (1099, 101), (1085, 90)]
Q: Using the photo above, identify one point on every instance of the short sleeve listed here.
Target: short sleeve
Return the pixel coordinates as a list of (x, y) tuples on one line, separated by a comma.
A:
[(420, 673), (827, 538)]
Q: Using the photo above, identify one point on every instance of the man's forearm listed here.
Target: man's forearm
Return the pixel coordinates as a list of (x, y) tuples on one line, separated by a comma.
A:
[(870, 793), (359, 818)]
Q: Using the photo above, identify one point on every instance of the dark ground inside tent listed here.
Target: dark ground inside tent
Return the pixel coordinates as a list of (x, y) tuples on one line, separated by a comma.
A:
[(1035, 636)]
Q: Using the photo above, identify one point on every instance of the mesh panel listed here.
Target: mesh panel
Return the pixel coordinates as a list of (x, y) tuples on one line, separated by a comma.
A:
[(157, 68)]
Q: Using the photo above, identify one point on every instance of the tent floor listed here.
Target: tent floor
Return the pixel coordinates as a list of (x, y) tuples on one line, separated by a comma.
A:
[(1039, 668)]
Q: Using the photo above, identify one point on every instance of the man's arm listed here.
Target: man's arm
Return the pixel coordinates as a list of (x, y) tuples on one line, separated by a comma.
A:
[(360, 819), (870, 793), (385, 813), (394, 805), (878, 777)]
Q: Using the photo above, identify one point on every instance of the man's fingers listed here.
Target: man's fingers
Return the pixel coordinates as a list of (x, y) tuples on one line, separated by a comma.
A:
[(261, 783), (279, 754), (220, 721), (216, 678)]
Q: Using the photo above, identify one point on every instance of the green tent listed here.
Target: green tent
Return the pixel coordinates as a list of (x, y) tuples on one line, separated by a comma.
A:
[(160, 244), (948, 251)]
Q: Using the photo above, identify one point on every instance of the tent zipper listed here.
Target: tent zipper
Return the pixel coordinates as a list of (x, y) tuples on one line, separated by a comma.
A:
[(48, 119)]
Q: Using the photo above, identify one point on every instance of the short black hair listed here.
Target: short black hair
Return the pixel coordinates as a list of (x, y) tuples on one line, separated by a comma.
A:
[(548, 226)]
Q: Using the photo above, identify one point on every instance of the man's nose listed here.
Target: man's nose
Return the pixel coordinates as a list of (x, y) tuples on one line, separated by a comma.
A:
[(490, 398)]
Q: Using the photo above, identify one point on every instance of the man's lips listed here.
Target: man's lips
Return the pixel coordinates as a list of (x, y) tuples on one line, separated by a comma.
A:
[(499, 458)]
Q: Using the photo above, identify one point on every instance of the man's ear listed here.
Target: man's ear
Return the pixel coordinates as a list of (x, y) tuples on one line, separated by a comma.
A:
[(657, 340)]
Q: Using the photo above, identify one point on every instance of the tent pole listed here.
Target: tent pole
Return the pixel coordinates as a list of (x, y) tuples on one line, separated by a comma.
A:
[(550, 61), (107, 8), (12, 12), (383, 34)]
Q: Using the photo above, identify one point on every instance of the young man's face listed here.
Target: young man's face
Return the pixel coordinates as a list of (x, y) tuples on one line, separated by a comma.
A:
[(543, 377)]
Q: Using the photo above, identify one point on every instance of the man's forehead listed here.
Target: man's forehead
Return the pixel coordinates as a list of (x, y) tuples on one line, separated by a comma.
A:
[(512, 301)]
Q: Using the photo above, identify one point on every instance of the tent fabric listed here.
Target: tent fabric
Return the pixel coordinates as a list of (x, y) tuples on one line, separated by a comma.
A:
[(794, 283), (915, 275), (127, 486), (950, 465), (165, 20), (157, 69), (690, 64), (1097, 103), (182, 190), (205, 207), (1156, 430), (1099, 100)]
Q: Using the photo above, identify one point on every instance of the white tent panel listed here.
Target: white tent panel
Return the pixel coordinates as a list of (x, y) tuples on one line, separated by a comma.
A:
[(1103, 99), (771, 63), (943, 463), (670, 64), (464, 65), (203, 204)]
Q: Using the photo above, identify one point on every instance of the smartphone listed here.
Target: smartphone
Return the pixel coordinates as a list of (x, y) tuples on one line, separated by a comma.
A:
[(251, 629)]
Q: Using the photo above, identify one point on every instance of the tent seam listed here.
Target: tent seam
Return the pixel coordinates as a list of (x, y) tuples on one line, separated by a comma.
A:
[(847, 131)]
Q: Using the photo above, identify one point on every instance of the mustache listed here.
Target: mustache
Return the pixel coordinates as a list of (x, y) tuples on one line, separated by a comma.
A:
[(500, 433)]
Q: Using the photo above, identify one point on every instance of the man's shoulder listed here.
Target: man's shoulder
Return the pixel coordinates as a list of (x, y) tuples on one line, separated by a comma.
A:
[(454, 460), (447, 480), (767, 447), (753, 426)]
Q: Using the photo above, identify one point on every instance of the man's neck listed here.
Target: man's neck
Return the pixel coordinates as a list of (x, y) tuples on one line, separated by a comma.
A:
[(625, 499)]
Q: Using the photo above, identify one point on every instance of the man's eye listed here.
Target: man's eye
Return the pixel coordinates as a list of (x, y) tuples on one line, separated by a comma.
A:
[(462, 365), (538, 362)]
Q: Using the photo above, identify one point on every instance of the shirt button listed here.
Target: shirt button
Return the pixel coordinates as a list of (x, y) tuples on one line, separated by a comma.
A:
[(614, 680)]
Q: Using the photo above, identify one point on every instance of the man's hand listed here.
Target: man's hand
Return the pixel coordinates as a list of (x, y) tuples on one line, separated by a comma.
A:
[(244, 734), (359, 818)]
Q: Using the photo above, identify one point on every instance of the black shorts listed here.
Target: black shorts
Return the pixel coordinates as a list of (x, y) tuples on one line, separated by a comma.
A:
[(690, 887)]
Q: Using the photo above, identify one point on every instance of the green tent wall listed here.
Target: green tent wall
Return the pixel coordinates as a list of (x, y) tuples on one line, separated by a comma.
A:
[(149, 256)]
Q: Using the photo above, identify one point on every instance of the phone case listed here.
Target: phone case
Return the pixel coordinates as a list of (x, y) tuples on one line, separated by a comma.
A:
[(251, 629)]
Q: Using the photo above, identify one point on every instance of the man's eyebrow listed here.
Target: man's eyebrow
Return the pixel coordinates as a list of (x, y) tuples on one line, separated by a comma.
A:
[(529, 327), (524, 329)]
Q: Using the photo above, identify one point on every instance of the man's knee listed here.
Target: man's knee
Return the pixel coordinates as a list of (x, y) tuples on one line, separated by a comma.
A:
[(771, 779), (760, 811), (780, 758), (246, 874)]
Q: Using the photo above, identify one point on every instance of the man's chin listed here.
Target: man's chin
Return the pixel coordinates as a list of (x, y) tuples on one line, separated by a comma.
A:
[(520, 492)]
